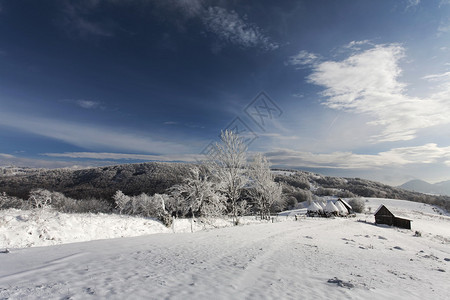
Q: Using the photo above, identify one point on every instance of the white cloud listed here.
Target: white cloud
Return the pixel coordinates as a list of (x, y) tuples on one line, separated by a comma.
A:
[(438, 77), (278, 136), (4, 155), (367, 83), (90, 136), (302, 59), (127, 156), (353, 44), (426, 154), (229, 26), (412, 3), (41, 163), (191, 8), (88, 104)]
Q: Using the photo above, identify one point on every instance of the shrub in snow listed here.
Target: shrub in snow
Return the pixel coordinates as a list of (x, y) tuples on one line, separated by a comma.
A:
[(357, 204), (345, 194), (144, 205), (92, 205), (291, 202), (40, 198), (11, 202)]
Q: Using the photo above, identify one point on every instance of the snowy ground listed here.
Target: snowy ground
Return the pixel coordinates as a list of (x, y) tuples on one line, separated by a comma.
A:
[(312, 258)]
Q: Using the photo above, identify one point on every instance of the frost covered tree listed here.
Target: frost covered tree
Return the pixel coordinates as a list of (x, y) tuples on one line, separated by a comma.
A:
[(121, 200), (264, 190), (228, 165), (40, 198), (200, 195)]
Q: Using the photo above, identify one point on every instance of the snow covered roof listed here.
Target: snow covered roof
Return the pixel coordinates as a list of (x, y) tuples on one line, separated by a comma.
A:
[(342, 209), (331, 207), (396, 213), (314, 207), (345, 204)]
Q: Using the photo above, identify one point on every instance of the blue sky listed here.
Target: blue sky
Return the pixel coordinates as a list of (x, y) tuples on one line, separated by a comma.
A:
[(353, 88)]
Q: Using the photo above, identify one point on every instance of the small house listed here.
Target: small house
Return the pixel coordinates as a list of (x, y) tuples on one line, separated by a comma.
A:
[(384, 216)]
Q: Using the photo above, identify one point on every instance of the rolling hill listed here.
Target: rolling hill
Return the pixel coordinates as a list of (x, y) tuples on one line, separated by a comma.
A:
[(416, 185)]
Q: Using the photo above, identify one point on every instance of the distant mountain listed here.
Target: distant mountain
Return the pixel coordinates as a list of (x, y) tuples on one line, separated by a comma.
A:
[(416, 185)]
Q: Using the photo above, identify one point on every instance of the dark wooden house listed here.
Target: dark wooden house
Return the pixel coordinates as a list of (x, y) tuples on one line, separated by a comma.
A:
[(385, 216)]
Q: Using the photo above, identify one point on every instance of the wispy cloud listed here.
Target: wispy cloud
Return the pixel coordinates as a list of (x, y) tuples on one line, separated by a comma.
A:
[(367, 83), (426, 154), (127, 156), (11, 160), (88, 104), (412, 3), (444, 2), (226, 24), (4, 155), (444, 27), (76, 18), (90, 136), (229, 26), (303, 59), (438, 77)]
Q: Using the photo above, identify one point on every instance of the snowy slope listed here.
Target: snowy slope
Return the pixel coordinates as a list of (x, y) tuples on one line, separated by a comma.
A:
[(25, 228), (313, 258), (30, 228)]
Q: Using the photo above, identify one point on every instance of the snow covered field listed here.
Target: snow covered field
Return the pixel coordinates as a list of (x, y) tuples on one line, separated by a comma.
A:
[(312, 258)]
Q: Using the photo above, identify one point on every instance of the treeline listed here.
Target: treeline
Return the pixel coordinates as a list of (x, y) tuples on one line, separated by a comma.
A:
[(101, 182), (158, 178)]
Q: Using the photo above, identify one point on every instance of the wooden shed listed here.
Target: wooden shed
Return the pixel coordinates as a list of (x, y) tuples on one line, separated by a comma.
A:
[(385, 216)]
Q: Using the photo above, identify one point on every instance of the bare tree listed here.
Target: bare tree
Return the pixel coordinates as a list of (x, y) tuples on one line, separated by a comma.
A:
[(229, 167), (263, 189)]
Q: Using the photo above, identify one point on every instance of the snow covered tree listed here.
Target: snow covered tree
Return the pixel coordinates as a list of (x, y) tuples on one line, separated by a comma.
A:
[(121, 200), (200, 195), (229, 167), (40, 198), (264, 190)]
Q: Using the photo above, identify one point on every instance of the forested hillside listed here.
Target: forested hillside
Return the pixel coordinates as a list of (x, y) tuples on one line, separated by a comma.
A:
[(157, 177), (101, 182)]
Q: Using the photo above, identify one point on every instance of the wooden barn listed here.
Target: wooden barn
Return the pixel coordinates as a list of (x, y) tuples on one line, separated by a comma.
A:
[(385, 216)]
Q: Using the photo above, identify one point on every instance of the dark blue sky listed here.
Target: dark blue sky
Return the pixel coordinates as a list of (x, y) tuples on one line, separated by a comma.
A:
[(362, 87)]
